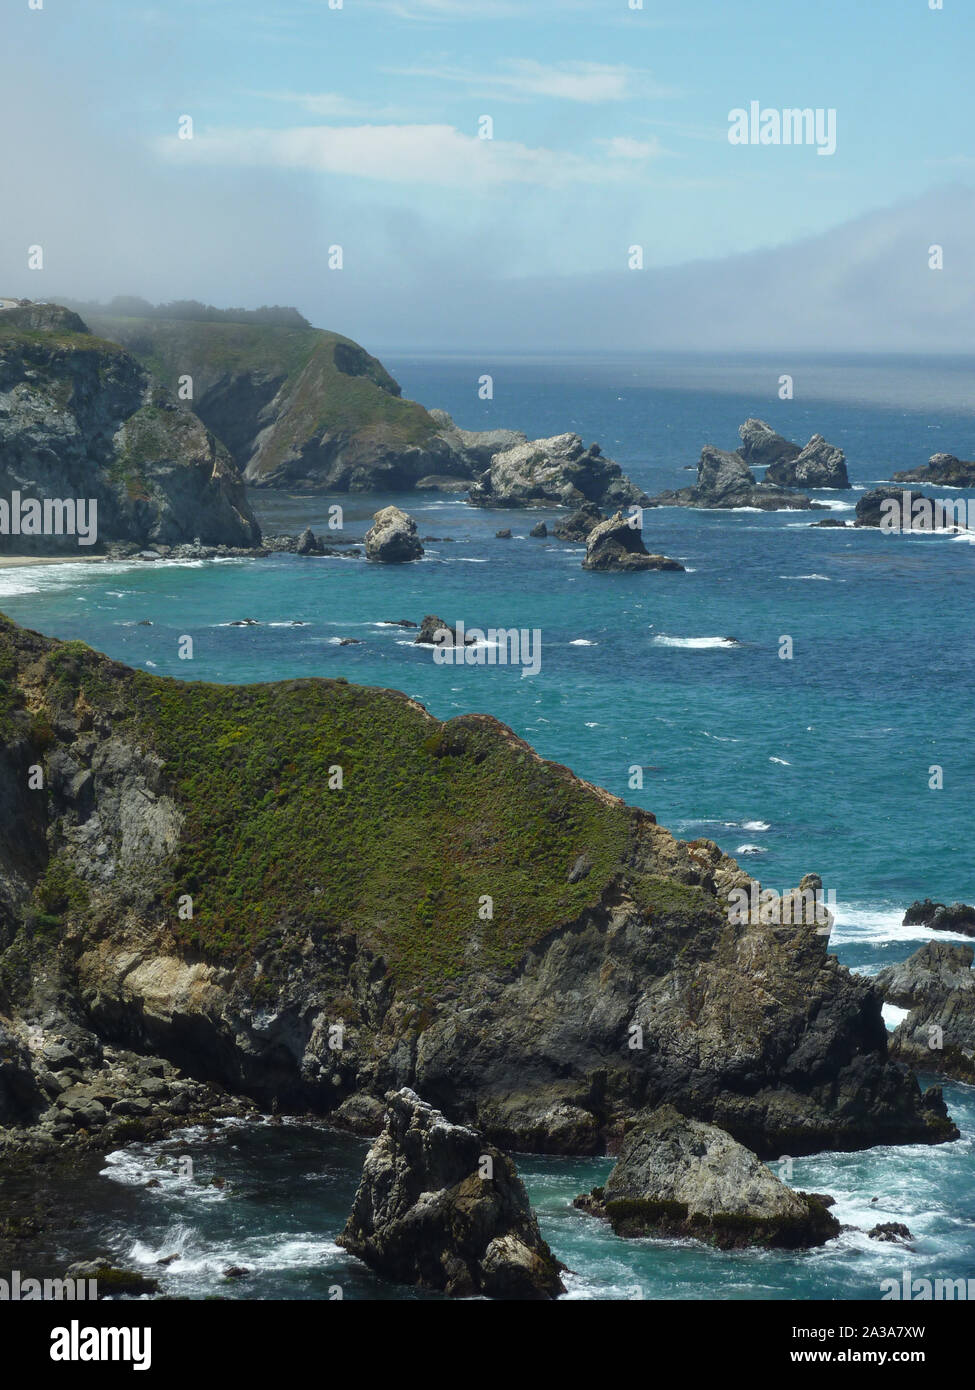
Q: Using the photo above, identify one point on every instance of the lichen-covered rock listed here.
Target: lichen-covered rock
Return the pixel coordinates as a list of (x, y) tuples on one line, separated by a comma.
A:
[(80, 419), (617, 545), (676, 1176), (393, 538), (440, 1207), (557, 470)]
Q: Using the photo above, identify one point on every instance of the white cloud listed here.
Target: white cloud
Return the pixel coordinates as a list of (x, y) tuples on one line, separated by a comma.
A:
[(332, 105), (409, 154), (525, 77)]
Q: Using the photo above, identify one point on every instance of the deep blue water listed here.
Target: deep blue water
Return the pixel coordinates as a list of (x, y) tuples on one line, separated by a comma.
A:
[(819, 763)]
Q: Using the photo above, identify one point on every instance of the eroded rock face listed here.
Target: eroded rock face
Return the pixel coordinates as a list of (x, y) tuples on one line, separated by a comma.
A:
[(957, 917), (938, 987), (761, 445), (677, 1176), (556, 470), (617, 545), (439, 1206), (81, 419), (724, 480), (580, 524), (393, 538)]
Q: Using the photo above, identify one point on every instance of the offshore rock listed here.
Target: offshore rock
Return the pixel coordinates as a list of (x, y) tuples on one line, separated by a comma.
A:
[(938, 987), (941, 470), (392, 538), (556, 470), (818, 465), (440, 1207), (725, 481), (957, 917), (616, 545), (578, 526), (679, 1177)]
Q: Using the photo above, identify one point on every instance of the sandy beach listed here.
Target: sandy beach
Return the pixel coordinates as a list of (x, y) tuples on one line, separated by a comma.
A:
[(12, 562)]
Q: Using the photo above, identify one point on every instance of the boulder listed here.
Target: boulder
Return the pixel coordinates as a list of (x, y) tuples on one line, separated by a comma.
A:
[(392, 538), (440, 1207), (680, 1177), (761, 445), (431, 625), (909, 510), (539, 531), (617, 544), (559, 470)]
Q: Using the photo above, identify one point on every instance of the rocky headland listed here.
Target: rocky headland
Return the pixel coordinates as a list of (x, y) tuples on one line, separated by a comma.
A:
[(279, 890)]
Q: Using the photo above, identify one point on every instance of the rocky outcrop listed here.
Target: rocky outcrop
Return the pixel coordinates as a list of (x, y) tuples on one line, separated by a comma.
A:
[(431, 626), (938, 987), (818, 465), (392, 538), (557, 470), (762, 446), (80, 419), (944, 470), (580, 524), (440, 1207), (474, 449), (611, 975), (724, 480), (617, 545), (679, 1177), (899, 509), (957, 917)]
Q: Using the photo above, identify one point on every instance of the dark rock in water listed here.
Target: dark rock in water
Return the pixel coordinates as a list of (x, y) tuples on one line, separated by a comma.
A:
[(937, 985), (761, 445), (145, 622), (680, 1177), (829, 521), (900, 509), (398, 622), (427, 635), (725, 481), (539, 531), (617, 544), (236, 1272), (958, 917), (558, 470), (941, 470), (350, 642), (578, 526), (113, 1282), (893, 1231), (504, 535), (245, 622), (308, 543), (440, 1207), (818, 465), (360, 1114), (392, 538)]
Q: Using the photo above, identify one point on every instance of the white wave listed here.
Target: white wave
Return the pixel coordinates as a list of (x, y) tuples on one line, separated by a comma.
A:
[(755, 825), (696, 643), (893, 1016), (781, 761), (582, 642), (720, 738), (825, 577), (838, 506), (592, 724), (751, 849), (863, 925)]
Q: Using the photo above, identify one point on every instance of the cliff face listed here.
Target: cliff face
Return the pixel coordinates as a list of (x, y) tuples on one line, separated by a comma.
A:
[(379, 900), (80, 419), (295, 406)]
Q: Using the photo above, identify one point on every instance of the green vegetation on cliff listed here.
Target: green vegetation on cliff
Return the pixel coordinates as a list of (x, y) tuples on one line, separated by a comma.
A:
[(430, 820)]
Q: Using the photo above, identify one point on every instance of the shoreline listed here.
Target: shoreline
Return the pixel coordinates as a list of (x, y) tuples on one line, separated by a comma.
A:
[(13, 562)]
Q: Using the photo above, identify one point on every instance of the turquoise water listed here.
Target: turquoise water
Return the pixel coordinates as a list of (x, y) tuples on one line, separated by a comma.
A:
[(819, 764)]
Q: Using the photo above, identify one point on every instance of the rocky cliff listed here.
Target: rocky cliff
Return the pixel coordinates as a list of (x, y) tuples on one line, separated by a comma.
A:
[(317, 892), (81, 421)]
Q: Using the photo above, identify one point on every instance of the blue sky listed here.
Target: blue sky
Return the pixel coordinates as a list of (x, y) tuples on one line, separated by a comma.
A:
[(358, 126)]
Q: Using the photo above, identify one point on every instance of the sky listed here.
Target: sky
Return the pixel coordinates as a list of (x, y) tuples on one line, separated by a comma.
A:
[(318, 124)]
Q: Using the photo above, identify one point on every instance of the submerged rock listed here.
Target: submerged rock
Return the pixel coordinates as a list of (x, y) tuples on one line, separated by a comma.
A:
[(617, 544), (559, 470), (392, 538), (440, 1207), (680, 1177)]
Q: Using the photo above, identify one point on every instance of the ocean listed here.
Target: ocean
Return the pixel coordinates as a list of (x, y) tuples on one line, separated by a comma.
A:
[(822, 763)]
